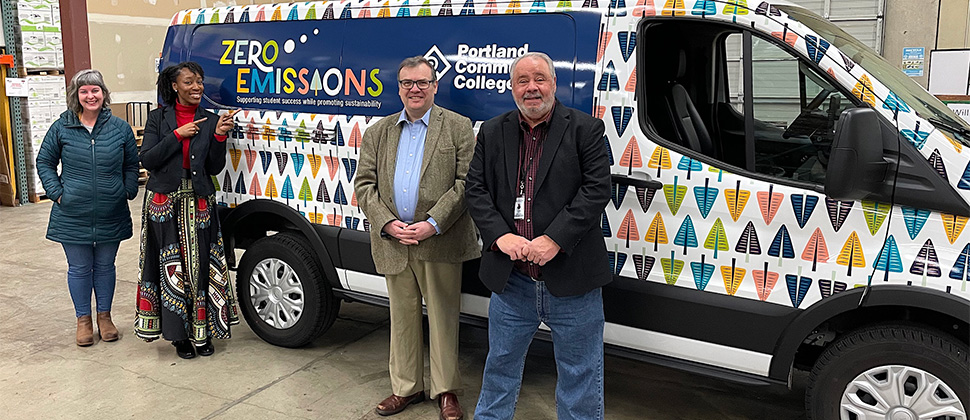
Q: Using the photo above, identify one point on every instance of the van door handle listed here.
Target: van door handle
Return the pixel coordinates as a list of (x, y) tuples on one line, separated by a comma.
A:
[(638, 180)]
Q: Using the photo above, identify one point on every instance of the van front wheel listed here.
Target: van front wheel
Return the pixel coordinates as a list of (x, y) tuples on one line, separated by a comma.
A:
[(890, 372), (282, 294)]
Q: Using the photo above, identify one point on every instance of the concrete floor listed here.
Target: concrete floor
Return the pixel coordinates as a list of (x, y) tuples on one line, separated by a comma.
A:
[(44, 375)]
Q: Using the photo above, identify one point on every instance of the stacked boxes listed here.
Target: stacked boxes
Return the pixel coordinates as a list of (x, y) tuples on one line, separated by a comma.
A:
[(40, 30), (46, 101)]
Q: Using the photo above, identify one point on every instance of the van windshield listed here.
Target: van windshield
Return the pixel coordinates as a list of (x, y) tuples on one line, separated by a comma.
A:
[(926, 105)]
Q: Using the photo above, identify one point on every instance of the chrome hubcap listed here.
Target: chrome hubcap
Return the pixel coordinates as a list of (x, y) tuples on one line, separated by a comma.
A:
[(895, 392), (276, 293)]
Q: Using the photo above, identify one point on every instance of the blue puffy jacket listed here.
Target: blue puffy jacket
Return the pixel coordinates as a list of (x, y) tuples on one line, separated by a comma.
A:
[(98, 174)]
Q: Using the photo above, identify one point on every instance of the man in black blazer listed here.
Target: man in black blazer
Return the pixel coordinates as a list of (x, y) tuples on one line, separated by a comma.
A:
[(536, 189)]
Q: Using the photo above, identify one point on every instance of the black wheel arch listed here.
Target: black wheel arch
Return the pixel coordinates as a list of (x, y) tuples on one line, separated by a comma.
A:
[(883, 303), (251, 220)]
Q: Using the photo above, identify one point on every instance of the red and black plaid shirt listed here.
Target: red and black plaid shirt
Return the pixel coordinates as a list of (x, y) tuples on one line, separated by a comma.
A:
[(530, 149)]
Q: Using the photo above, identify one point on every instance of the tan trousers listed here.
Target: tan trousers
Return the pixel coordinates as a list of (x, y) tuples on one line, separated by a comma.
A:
[(440, 284)]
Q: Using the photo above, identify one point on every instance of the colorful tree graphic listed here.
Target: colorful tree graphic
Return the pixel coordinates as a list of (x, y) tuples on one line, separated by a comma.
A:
[(350, 167), (764, 282), (936, 162), (270, 190), (959, 271), (797, 287), (660, 159), (305, 193), (915, 136), (332, 164), (736, 199), (875, 213), (656, 233), (863, 91), (685, 235), (617, 192), (732, 275), (838, 211), (266, 158), (830, 287), (716, 238), (914, 219), (675, 196), (240, 185), (781, 246), (281, 160), (621, 119), (852, 254), (254, 188), (953, 225), (769, 202), (628, 229), (645, 197), (643, 263), (705, 197), (234, 156), (323, 195), (689, 165), (735, 8), (926, 263), (888, 259), (815, 249), (672, 268), (644, 8), (748, 242), (673, 8), (702, 273), (704, 8), (631, 156), (803, 205), (617, 259)]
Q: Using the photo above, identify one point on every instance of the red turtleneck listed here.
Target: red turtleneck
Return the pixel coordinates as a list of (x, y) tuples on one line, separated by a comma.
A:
[(185, 114)]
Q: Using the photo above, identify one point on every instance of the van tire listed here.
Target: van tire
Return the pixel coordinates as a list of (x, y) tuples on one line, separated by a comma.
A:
[(309, 291), (883, 351)]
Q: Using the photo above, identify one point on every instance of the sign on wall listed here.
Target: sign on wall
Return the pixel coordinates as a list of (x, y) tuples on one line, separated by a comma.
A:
[(913, 58)]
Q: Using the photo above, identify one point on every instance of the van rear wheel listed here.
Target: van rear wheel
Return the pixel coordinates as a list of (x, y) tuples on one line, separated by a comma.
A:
[(282, 294), (891, 372)]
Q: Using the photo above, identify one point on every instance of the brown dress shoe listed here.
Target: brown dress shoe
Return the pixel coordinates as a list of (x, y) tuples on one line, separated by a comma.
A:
[(107, 328), (448, 406), (85, 331), (394, 404)]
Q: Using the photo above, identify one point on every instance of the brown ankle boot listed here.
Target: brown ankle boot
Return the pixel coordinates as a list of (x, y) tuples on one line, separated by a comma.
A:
[(85, 331), (107, 328)]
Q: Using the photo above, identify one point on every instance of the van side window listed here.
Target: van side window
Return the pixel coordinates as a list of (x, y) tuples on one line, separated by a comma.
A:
[(700, 99), (795, 110)]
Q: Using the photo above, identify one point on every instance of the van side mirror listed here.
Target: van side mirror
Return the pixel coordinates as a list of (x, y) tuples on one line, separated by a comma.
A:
[(856, 166)]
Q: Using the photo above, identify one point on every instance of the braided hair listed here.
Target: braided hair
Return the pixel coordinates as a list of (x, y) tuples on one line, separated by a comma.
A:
[(169, 75)]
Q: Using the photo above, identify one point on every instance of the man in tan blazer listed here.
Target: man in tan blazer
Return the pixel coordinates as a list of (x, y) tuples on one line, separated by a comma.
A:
[(411, 186)]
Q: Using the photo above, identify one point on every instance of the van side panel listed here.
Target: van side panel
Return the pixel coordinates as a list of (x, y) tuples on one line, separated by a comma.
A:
[(349, 67)]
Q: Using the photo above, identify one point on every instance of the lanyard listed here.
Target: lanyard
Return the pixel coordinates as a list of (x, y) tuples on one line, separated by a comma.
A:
[(522, 176)]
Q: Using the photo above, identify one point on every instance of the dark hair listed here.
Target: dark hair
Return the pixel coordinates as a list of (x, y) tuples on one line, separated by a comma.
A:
[(169, 75), (417, 61)]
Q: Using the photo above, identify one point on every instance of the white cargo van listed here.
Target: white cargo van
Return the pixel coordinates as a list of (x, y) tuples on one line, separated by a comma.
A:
[(783, 197)]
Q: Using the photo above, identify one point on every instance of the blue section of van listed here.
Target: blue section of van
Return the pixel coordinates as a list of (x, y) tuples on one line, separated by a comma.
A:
[(356, 60)]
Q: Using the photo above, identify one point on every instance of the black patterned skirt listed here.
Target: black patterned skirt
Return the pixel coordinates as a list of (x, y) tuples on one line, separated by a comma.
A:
[(184, 290)]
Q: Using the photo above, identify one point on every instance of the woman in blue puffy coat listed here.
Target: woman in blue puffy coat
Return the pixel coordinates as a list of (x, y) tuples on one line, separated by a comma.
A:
[(98, 174)]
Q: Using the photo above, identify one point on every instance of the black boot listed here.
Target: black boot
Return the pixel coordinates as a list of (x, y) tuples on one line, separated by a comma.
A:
[(206, 348), (184, 349)]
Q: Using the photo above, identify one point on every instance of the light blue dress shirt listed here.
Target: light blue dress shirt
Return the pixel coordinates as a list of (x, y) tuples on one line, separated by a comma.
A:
[(407, 174)]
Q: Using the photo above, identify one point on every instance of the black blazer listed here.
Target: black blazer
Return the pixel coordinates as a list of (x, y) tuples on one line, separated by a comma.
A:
[(161, 152), (571, 191)]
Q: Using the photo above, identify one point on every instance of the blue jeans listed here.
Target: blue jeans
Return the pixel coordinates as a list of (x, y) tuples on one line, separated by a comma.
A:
[(577, 335), (91, 267)]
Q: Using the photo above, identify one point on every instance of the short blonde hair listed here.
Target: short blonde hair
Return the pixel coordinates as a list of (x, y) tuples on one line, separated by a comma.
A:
[(88, 77)]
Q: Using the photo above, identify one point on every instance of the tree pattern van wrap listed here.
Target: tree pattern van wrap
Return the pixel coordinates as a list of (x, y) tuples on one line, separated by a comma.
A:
[(706, 228)]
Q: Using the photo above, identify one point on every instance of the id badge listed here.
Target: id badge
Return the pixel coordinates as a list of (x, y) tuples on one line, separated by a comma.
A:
[(519, 211)]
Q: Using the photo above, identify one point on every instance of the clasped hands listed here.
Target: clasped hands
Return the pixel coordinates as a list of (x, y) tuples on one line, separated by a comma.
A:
[(539, 250), (409, 234)]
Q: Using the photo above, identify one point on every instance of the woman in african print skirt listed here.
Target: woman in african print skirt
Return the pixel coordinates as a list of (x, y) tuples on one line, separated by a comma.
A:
[(184, 292)]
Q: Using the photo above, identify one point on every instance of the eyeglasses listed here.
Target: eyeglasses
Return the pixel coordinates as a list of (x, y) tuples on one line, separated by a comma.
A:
[(408, 84)]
